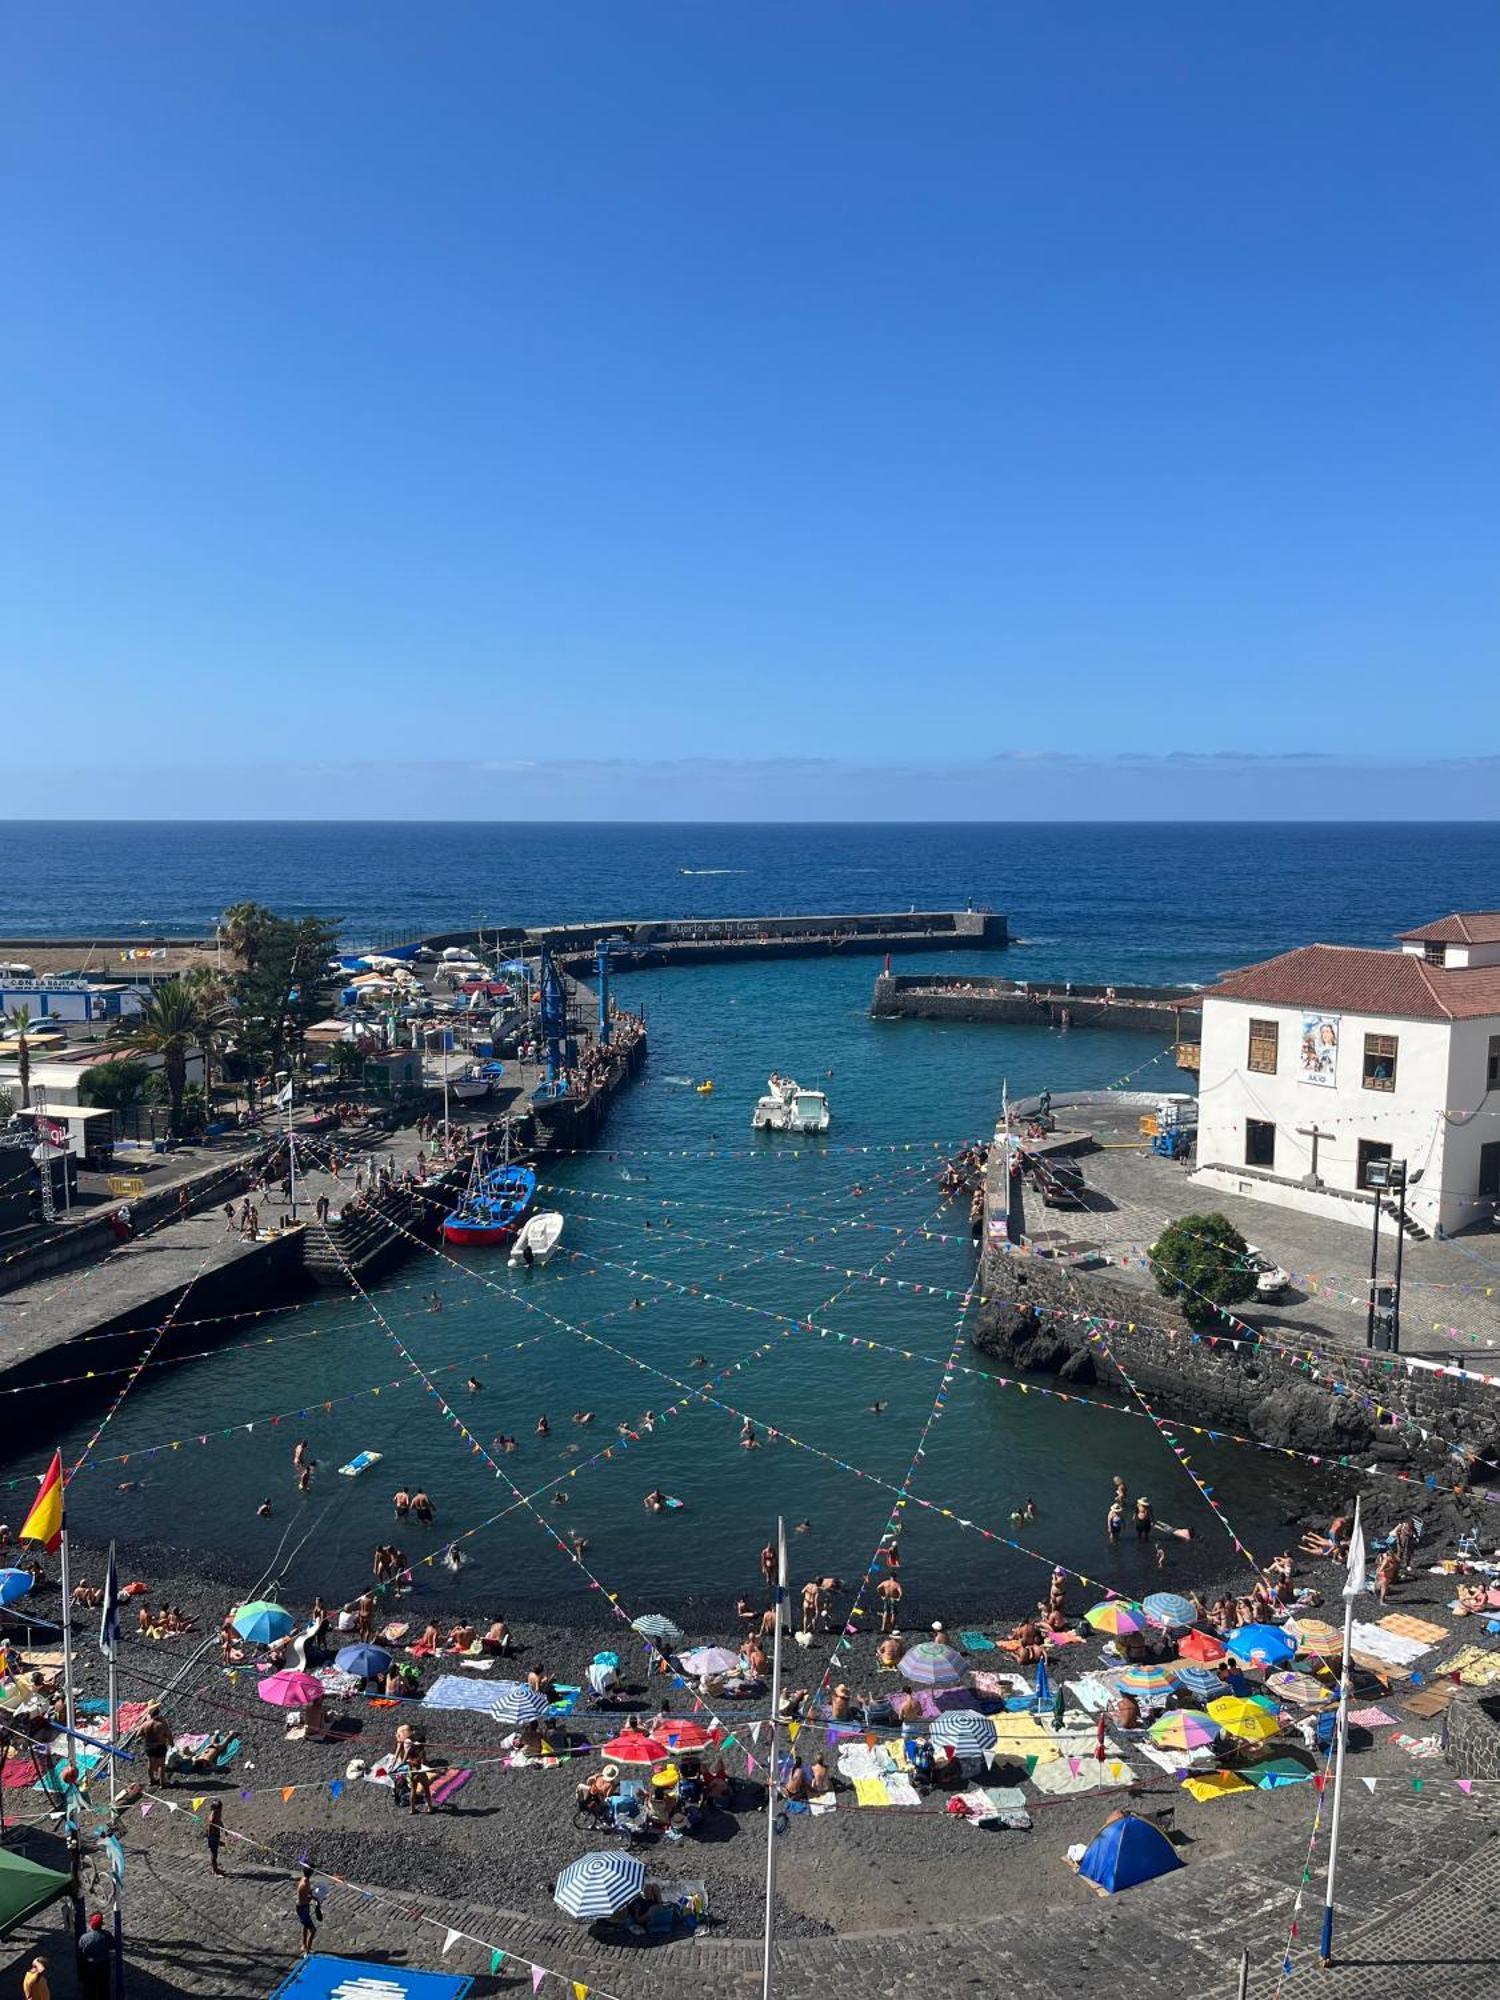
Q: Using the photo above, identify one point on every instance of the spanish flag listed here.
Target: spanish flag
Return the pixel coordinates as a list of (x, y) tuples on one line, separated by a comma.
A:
[(44, 1523)]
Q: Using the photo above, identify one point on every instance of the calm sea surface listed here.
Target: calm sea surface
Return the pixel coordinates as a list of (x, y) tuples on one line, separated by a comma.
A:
[(724, 1244)]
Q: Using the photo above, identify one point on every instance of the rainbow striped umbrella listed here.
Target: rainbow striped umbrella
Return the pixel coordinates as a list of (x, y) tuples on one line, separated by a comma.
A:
[(1117, 1615), (1183, 1729), (1146, 1680)]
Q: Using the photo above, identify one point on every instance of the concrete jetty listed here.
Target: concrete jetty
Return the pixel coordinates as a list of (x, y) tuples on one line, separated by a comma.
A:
[(941, 996)]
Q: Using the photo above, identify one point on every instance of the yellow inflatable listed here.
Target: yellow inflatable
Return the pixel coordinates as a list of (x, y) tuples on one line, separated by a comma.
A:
[(705, 1088)]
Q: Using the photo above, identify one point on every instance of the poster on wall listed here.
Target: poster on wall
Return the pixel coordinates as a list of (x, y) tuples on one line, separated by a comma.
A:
[(1320, 1049)]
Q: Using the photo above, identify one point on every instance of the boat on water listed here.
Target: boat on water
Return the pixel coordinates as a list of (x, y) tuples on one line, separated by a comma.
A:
[(495, 1205), (541, 1236), (787, 1107)]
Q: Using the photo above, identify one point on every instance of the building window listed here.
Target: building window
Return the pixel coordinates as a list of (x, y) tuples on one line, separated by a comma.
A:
[(1380, 1062), (1263, 1036), (1369, 1149), (1492, 1072), (1260, 1143), (1435, 954)]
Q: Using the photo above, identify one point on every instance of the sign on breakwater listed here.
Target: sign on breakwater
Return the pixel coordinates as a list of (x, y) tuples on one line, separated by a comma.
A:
[(936, 996)]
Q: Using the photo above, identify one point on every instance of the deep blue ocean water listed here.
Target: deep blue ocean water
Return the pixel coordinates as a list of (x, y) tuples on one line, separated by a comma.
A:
[(680, 1194)]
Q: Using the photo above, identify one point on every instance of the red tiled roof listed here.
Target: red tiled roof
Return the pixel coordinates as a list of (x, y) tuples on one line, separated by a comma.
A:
[(1340, 978), (1463, 927)]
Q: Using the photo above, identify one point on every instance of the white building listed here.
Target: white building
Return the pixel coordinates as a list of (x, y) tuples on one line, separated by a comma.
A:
[(1315, 1063)]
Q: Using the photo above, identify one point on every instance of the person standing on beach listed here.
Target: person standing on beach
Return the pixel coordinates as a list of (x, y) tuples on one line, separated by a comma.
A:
[(768, 1564), (213, 1833), (309, 1909), (889, 1592)]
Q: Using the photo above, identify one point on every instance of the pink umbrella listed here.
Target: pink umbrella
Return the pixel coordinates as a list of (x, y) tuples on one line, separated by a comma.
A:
[(290, 1689)]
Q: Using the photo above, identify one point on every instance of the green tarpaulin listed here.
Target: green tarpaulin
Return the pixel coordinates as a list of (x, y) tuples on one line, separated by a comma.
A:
[(25, 1888)]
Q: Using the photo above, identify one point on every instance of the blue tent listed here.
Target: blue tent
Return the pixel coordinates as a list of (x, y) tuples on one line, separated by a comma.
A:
[(1126, 1852)]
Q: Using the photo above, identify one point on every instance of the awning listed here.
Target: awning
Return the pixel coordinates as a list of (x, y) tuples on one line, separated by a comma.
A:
[(25, 1888)]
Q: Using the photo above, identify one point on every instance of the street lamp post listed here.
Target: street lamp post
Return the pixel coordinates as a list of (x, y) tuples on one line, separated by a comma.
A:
[(1382, 1176)]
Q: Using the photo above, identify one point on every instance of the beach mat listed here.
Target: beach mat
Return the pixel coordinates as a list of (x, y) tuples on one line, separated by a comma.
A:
[(1477, 1666), (450, 1784), (1420, 1629), (976, 1642), (1215, 1785), (453, 1691)]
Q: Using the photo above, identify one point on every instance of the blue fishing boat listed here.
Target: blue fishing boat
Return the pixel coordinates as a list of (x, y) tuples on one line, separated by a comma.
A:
[(495, 1204)]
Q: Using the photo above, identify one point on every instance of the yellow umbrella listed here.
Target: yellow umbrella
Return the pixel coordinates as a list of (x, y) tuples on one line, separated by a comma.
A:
[(1246, 1719)]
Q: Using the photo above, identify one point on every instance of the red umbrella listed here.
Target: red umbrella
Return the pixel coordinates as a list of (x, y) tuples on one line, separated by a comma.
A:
[(631, 1747), (1200, 1646), (682, 1735)]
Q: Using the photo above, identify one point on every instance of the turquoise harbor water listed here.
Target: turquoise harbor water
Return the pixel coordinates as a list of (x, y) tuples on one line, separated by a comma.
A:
[(764, 1232)]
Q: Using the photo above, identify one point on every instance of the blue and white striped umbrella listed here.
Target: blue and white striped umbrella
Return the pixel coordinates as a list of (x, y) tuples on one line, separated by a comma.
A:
[(1201, 1681), (1171, 1612), (965, 1731), (599, 1885), (515, 1702)]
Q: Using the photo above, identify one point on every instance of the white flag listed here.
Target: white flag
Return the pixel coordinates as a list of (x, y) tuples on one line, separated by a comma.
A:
[(1357, 1579), (284, 1095)]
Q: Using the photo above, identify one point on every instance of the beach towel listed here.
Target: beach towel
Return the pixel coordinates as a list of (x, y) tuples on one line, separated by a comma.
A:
[(1386, 1649), (1370, 1718), (824, 1803), (1063, 1638), (397, 1629), (1418, 1746), (999, 1684), (567, 1700), (871, 1792), (1068, 1777), (1477, 1666), (1407, 1627), (1215, 1785), (1175, 1761), (132, 1715), (976, 1642), (450, 1784), (900, 1791), (1091, 1694), (336, 1683), (453, 1691)]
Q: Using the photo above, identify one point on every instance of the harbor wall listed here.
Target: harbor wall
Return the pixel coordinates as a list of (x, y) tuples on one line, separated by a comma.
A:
[(1037, 1316), (1021, 1003), (660, 941)]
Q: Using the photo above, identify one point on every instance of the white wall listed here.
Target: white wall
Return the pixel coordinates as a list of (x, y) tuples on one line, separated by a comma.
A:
[(1407, 1119), (1473, 1118)]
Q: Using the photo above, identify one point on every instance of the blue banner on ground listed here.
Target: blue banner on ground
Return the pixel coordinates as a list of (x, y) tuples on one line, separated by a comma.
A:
[(320, 1978)]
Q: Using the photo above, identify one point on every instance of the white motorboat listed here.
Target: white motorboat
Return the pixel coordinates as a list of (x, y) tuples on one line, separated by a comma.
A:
[(471, 1083), (787, 1107), (541, 1237)]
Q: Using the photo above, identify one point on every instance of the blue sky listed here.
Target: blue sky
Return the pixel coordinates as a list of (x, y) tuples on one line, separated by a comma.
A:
[(665, 391)]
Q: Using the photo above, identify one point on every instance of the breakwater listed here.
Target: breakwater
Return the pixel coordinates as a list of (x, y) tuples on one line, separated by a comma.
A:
[(637, 942), (936, 996)]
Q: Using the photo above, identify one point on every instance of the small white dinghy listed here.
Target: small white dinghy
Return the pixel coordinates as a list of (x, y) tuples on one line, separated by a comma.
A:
[(541, 1237)]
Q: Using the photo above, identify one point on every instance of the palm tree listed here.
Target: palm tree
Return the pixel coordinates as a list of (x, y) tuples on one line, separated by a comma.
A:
[(215, 1013), (18, 1025), (169, 1026), (244, 927)]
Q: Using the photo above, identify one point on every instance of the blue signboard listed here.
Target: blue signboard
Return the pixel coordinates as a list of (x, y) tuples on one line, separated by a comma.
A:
[(320, 1978)]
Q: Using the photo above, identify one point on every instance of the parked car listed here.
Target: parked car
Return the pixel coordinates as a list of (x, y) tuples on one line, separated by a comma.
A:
[(1271, 1282)]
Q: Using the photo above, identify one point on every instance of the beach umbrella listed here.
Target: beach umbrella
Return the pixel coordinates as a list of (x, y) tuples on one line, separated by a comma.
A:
[(1183, 1729), (1300, 1687), (1200, 1646), (709, 1660), (600, 1885), (1117, 1615), (680, 1736), (290, 1689), (261, 1622), (14, 1583), (1201, 1681), (654, 1626), (370, 1663), (1171, 1612), (515, 1702), (1245, 1719), (932, 1665), (631, 1747), (966, 1732), (1261, 1646), (1145, 1680)]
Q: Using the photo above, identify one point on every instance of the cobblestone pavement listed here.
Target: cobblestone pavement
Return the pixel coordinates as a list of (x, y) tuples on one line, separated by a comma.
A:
[(1423, 1886)]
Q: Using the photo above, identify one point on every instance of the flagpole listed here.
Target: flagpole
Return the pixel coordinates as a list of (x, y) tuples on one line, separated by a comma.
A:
[(109, 1636), (778, 1601), (291, 1150), (67, 1625), (1353, 1584)]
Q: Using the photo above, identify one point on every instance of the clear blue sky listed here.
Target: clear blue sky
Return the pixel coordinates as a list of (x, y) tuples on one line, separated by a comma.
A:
[(604, 384)]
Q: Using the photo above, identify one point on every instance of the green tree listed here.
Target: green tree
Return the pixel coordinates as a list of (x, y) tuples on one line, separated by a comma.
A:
[(18, 1025), (287, 990), (245, 927), (1201, 1261), (7, 1107), (168, 1026), (114, 1086), (215, 1019)]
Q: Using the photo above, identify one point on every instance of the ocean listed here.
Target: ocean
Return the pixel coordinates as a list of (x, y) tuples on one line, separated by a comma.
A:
[(687, 1239)]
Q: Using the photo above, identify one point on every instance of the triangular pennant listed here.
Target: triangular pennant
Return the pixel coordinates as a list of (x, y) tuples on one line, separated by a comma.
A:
[(450, 1939), (538, 1974)]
